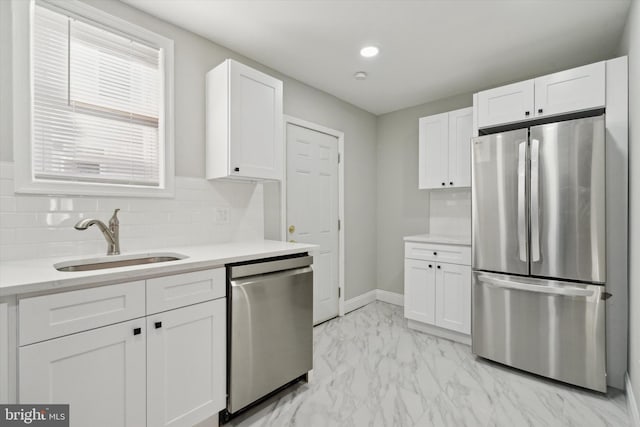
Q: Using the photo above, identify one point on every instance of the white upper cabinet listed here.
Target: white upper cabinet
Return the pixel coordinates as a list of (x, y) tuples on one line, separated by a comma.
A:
[(460, 132), (243, 123), (577, 89), (444, 149), (505, 104), (433, 150)]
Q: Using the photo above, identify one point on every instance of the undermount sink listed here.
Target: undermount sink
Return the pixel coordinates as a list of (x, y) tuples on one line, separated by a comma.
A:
[(115, 261)]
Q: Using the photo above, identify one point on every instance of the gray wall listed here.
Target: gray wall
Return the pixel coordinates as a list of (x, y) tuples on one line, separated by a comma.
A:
[(402, 208), (194, 56), (630, 46)]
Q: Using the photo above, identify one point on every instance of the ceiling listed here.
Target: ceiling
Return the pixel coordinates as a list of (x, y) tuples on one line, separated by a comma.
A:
[(429, 49)]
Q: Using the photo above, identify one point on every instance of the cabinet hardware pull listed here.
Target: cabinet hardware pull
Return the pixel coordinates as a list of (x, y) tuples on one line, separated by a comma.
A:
[(450, 182), (539, 110), (158, 325), (443, 183), (438, 266), (435, 253), (429, 265), (526, 113), (236, 169), (137, 331)]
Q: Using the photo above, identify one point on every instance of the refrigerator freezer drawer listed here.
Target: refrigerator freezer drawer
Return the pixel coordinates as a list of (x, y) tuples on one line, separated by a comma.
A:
[(551, 328)]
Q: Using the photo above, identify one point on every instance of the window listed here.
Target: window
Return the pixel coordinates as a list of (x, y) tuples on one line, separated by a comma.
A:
[(99, 107)]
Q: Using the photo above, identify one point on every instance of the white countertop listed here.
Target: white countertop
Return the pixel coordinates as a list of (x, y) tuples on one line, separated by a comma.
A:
[(438, 238), (35, 275)]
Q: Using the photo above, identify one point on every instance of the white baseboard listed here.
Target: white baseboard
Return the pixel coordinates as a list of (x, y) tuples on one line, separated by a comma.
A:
[(439, 332), (390, 297), (632, 403), (359, 301)]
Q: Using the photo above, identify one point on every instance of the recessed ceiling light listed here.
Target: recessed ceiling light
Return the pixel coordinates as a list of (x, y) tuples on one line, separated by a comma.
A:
[(369, 51), (360, 75)]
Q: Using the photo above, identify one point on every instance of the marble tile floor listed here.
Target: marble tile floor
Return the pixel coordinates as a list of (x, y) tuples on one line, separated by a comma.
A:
[(371, 370)]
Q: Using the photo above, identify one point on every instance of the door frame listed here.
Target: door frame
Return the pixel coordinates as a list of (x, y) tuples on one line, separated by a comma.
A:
[(283, 230)]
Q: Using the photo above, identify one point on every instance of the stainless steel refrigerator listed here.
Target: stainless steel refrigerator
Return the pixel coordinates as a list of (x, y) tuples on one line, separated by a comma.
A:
[(538, 244)]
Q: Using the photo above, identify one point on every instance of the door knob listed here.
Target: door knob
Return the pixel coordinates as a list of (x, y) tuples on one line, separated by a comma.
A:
[(292, 228)]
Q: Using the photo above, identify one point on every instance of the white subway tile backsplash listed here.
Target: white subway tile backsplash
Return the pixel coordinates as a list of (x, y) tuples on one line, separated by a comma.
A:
[(109, 205), (6, 170), (41, 226), (7, 204), (18, 219), (450, 212), (33, 204), (60, 219), (20, 251), (6, 187), (7, 236)]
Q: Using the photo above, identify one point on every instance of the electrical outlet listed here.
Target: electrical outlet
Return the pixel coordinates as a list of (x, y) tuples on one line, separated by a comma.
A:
[(222, 215)]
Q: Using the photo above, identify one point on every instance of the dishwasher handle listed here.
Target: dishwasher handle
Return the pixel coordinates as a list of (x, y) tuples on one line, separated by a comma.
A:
[(260, 279), (255, 269)]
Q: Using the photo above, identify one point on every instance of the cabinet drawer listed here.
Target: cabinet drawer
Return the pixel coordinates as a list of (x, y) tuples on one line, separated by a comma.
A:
[(166, 293), (49, 316), (438, 253)]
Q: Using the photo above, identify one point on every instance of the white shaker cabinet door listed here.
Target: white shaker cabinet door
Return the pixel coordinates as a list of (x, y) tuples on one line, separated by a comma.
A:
[(453, 297), (460, 130), (99, 373), (433, 151), (244, 123), (256, 123), (577, 89), (506, 104), (186, 368), (419, 290)]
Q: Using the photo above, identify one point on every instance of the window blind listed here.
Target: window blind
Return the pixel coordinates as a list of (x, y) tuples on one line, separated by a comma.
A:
[(97, 103)]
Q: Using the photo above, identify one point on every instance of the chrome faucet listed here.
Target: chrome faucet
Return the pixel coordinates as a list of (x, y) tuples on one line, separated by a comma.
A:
[(111, 233)]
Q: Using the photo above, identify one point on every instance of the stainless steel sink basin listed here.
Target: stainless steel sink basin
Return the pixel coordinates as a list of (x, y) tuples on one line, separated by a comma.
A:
[(117, 261)]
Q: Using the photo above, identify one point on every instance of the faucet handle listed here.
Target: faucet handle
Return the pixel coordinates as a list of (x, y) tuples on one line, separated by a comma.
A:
[(114, 218)]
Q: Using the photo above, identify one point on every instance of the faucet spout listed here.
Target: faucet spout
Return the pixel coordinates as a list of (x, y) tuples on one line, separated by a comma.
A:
[(110, 233)]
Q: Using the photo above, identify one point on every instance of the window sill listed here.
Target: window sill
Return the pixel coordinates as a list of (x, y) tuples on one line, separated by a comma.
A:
[(91, 189)]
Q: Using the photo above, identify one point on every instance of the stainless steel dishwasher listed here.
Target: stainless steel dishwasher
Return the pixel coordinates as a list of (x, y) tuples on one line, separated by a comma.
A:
[(270, 327)]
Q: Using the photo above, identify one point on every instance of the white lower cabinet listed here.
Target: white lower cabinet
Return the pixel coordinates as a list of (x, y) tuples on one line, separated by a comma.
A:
[(163, 369), (453, 297), (186, 364), (419, 289), (4, 352), (99, 373), (437, 294)]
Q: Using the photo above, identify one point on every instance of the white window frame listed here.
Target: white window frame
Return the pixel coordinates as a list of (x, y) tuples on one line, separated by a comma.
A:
[(22, 24)]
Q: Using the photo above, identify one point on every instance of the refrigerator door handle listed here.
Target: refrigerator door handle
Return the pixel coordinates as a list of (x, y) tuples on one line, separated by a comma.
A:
[(522, 224), (564, 291), (535, 201)]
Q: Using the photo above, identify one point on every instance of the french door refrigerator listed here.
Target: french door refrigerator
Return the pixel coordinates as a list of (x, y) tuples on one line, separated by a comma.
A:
[(538, 245)]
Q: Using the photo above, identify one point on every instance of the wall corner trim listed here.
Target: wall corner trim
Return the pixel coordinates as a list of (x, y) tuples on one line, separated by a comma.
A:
[(632, 406), (359, 301), (372, 296), (390, 297)]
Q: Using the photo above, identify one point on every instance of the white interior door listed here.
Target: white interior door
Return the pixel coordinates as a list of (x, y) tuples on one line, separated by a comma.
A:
[(312, 210)]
